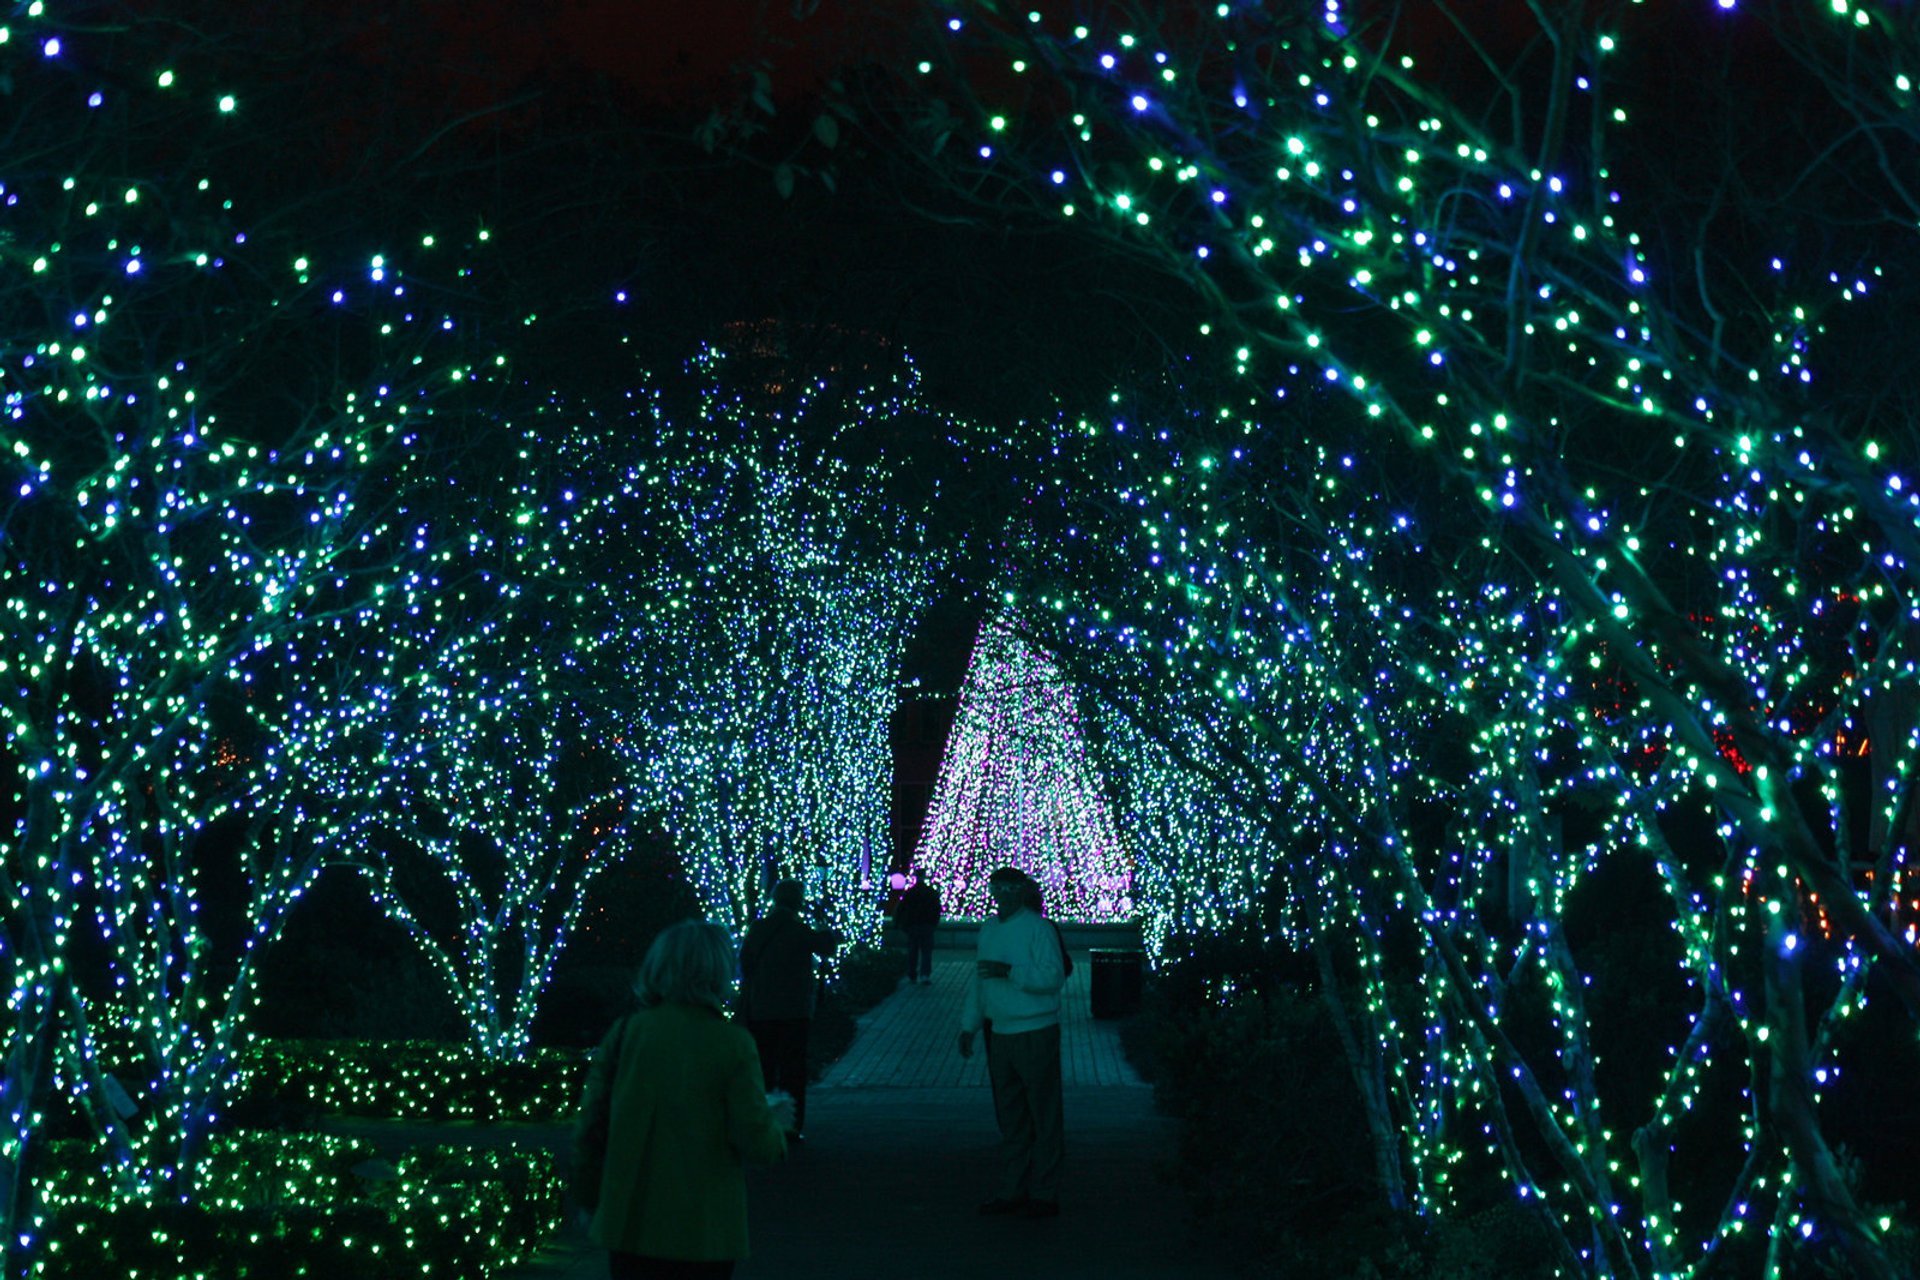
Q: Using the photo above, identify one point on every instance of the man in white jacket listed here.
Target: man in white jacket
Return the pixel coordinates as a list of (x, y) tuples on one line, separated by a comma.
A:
[(1015, 996)]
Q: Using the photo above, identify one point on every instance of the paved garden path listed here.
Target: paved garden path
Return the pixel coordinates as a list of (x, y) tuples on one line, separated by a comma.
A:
[(901, 1146)]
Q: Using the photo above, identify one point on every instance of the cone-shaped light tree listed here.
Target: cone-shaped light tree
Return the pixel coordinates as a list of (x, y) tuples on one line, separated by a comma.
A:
[(1018, 787)]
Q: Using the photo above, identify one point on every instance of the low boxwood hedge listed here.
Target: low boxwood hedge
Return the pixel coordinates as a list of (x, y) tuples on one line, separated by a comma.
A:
[(268, 1205)]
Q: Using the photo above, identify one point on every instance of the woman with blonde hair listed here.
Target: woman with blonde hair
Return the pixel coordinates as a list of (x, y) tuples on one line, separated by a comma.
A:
[(674, 1110)]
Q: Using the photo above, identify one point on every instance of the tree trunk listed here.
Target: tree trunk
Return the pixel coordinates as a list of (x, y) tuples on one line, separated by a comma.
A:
[(1796, 1113), (1369, 1070)]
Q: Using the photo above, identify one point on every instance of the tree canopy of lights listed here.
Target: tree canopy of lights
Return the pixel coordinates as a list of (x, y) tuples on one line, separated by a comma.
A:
[(1544, 547), (1017, 787), (1204, 862), (178, 595), (496, 790), (760, 638), (498, 805), (208, 446)]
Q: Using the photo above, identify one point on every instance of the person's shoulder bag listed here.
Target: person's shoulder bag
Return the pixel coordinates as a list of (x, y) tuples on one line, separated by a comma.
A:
[(1066, 961)]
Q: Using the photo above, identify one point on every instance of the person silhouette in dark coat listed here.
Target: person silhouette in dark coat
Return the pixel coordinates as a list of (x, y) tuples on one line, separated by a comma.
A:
[(920, 917), (777, 986)]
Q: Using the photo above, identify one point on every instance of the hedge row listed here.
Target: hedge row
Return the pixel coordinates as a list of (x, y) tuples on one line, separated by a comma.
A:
[(273, 1206), (418, 1080)]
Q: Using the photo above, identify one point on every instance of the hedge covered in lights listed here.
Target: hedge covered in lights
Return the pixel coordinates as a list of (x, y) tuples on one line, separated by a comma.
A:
[(417, 1080), (272, 1206)]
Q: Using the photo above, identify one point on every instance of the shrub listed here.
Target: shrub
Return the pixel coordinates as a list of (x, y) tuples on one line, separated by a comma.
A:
[(420, 1080), (1272, 1140), (276, 1205), (1274, 1155)]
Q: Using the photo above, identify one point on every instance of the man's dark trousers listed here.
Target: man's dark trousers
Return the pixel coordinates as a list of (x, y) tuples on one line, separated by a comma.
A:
[(920, 951), (783, 1059), (1024, 1069)]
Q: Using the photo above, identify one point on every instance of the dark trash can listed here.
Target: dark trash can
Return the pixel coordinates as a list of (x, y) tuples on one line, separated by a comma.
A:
[(1116, 980)]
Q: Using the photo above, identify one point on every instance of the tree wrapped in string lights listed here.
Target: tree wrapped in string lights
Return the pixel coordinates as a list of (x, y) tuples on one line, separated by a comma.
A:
[(496, 787), (498, 806), (1017, 788), (207, 446), (175, 596), (1672, 603), (1281, 753), (759, 633)]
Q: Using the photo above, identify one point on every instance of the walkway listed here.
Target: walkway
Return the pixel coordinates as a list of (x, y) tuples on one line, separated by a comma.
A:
[(908, 1041), (901, 1146)]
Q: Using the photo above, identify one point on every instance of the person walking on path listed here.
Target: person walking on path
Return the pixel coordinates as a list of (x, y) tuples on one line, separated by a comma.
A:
[(920, 917), (674, 1106), (1014, 996), (778, 985)]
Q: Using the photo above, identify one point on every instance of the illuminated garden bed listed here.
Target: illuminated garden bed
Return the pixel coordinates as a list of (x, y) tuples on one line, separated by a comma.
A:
[(274, 1205), (418, 1080)]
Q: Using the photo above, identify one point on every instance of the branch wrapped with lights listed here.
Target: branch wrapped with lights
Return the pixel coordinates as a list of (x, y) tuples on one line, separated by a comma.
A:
[(1668, 597), (181, 570), (760, 634)]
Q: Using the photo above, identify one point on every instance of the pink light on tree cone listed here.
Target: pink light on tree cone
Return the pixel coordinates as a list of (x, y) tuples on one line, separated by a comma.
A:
[(1017, 788)]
